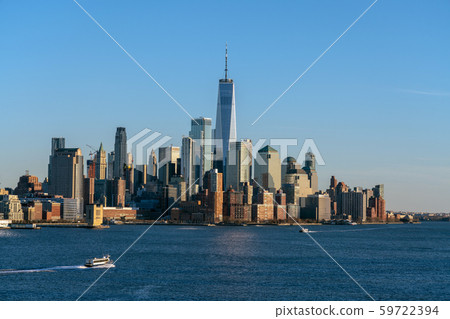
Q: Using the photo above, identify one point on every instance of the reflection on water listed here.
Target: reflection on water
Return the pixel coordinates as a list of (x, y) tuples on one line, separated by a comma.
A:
[(229, 263), (235, 242)]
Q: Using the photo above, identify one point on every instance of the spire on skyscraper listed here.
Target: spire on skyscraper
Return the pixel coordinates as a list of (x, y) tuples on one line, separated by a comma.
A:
[(226, 61)]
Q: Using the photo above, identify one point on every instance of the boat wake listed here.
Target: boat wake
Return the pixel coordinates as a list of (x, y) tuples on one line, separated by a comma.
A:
[(52, 269)]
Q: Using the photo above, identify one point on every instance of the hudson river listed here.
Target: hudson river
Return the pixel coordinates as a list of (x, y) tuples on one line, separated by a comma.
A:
[(392, 262)]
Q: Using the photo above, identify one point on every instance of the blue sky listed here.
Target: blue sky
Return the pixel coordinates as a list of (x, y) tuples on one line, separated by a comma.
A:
[(376, 105)]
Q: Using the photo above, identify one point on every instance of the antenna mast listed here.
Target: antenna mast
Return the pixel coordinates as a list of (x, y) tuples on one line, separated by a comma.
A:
[(226, 61)]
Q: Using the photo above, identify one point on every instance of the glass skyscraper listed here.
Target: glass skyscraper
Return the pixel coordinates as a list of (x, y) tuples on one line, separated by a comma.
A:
[(57, 143), (201, 132), (225, 131)]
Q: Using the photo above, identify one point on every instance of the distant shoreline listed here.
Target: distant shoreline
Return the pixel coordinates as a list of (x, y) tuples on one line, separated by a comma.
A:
[(150, 222)]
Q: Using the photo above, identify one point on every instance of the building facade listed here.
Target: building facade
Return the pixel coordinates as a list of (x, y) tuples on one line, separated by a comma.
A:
[(201, 133), (11, 208), (110, 172), (239, 165), (100, 163), (120, 152), (188, 170), (168, 163), (268, 169), (66, 177), (225, 131)]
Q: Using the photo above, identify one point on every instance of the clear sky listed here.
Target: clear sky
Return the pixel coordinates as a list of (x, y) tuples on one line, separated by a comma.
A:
[(376, 105)]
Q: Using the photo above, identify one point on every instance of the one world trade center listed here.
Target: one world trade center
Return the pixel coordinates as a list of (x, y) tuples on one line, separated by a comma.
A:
[(225, 131)]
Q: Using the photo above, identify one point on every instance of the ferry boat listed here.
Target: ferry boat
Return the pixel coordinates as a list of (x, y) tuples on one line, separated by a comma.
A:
[(304, 230), (98, 261)]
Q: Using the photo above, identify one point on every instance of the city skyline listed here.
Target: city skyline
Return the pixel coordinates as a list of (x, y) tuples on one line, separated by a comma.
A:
[(390, 155)]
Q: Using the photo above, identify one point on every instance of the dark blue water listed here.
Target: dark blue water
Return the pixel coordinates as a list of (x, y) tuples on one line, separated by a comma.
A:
[(392, 262)]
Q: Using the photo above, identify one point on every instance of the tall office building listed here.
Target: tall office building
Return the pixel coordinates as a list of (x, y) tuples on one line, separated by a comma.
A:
[(295, 181), (352, 204), (239, 165), (90, 168), (378, 190), (140, 177), (111, 157), (57, 143), (120, 152), (225, 131), (168, 163), (268, 169), (115, 192), (187, 162), (213, 183), (153, 164), (315, 207), (201, 132), (129, 174), (100, 163), (88, 191), (66, 177), (310, 169)]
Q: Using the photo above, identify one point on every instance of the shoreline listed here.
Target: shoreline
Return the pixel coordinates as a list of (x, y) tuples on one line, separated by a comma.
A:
[(150, 222)]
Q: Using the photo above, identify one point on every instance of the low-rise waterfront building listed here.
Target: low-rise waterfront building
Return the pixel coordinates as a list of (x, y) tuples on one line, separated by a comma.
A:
[(119, 213), (10, 207), (94, 215)]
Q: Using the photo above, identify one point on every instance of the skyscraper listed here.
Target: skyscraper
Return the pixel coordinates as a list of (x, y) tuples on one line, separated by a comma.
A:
[(120, 151), (201, 132), (168, 163), (225, 131), (310, 169), (66, 177), (100, 163), (57, 142), (111, 157), (239, 165), (378, 190), (115, 192), (129, 174), (268, 169), (153, 164), (295, 181), (214, 182), (187, 162), (90, 168)]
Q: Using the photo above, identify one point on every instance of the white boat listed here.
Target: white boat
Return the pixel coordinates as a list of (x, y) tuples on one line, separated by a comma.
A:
[(211, 225), (98, 261), (304, 230)]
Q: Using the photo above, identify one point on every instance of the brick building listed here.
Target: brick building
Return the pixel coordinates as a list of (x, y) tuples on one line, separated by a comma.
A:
[(262, 211), (117, 213)]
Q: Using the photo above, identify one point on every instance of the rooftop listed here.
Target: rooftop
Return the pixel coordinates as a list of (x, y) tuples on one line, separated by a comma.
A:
[(267, 149)]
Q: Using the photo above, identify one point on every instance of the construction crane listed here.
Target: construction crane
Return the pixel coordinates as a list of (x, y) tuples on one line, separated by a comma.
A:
[(93, 152)]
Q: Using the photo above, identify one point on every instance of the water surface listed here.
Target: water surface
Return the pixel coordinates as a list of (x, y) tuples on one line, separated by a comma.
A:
[(392, 262)]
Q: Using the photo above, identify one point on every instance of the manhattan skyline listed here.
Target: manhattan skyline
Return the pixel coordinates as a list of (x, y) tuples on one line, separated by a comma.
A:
[(370, 128)]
